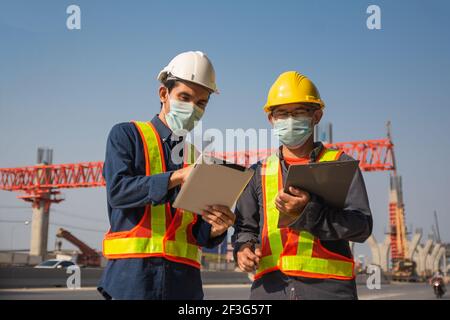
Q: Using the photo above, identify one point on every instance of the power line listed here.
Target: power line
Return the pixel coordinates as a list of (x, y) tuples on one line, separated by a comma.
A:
[(59, 224), (56, 224), (59, 212), (64, 213), (77, 228), (13, 221), (72, 226)]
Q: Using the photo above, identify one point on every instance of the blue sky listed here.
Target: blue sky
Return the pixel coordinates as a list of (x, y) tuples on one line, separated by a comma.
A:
[(66, 89)]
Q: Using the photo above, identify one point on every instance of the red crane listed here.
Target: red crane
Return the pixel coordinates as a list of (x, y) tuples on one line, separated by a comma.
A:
[(88, 257), (34, 181), (40, 184)]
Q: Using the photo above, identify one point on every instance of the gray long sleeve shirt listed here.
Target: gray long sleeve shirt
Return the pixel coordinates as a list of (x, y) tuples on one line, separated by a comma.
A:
[(334, 227)]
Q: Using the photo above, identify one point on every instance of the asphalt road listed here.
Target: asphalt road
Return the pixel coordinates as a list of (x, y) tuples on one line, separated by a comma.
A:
[(400, 291)]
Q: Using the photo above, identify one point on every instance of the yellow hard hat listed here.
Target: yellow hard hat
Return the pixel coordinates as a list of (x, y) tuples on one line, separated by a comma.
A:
[(292, 87)]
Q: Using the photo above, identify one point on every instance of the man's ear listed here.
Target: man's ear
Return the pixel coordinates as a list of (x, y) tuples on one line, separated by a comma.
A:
[(317, 116), (270, 118), (163, 97), (163, 94)]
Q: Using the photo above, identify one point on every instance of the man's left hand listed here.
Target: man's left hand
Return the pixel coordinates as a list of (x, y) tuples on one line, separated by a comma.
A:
[(219, 217), (292, 203)]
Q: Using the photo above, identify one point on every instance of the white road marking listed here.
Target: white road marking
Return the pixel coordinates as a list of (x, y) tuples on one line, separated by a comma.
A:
[(48, 289), (379, 296), (226, 286), (206, 286)]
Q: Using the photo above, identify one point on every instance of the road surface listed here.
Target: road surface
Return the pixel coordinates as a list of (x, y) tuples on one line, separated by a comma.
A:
[(397, 291)]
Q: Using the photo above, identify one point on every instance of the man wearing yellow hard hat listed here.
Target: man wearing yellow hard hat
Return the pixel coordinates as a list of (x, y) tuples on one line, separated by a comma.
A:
[(311, 258)]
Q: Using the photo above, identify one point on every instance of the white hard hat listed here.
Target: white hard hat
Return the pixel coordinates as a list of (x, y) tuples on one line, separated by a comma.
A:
[(192, 66)]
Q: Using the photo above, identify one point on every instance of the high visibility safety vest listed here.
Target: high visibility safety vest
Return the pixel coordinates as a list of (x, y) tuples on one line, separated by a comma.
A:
[(295, 253), (157, 234)]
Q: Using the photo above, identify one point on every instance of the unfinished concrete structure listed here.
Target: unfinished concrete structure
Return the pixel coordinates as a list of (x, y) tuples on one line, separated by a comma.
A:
[(429, 257), (380, 252), (422, 252)]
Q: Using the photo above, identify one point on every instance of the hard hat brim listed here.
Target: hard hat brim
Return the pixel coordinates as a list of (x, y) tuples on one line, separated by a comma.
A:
[(267, 108), (165, 76)]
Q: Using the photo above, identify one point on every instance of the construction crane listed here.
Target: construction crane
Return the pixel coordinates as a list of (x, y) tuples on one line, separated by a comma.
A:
[(41, 184), (403, 268), (88, 257), (435, 228)]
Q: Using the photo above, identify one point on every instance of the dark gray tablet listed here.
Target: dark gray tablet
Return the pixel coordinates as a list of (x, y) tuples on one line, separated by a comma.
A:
[(329, 180)]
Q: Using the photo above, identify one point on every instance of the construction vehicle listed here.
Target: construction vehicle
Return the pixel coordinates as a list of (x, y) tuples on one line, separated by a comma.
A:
[(88, 256), (404, 270)]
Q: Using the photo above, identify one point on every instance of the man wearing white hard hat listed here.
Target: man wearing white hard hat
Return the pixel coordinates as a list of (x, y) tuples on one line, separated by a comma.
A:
[(153, 249)]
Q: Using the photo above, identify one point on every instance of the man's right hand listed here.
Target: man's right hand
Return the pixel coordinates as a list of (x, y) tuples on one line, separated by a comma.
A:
[(248, 260), (179, 176)]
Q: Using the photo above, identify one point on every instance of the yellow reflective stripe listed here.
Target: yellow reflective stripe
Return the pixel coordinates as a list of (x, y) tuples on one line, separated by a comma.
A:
[(317, 265), (329, 155), (157, 243), (303, 260), (306, 239), (180, 247), (158, 221), (305, 244), (272, 214), (181, 233), (132, 246), (276, 244), (183, 250), (158, 212), (155, 157), (267, 262)]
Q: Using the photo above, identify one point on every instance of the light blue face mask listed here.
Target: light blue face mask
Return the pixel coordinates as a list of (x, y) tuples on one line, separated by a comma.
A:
[(293, 132), (183, 116)]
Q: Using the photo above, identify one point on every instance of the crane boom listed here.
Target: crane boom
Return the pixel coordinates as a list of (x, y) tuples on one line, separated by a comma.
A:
[(88, 255)]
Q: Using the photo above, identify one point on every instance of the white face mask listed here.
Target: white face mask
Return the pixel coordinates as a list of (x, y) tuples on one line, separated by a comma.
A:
[(183, 116), (293, 132)]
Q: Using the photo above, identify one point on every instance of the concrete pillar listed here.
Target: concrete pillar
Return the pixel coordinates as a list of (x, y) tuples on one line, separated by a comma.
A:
[(421, 257), (375, 249), (39, 230), (431, 257), (380, 252), (445, 263), (439, 256), (352, 247), (413, 244), (41, 206), (384, 253)]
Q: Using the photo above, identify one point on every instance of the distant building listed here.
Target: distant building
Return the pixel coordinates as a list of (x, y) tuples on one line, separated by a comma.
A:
[(324, 132)]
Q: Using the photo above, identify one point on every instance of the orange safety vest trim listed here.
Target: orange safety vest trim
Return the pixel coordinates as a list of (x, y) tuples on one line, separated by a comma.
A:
[(157, 234), (292, 252)]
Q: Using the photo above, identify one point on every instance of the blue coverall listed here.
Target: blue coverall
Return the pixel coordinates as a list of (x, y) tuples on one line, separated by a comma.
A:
[(128, 192)]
